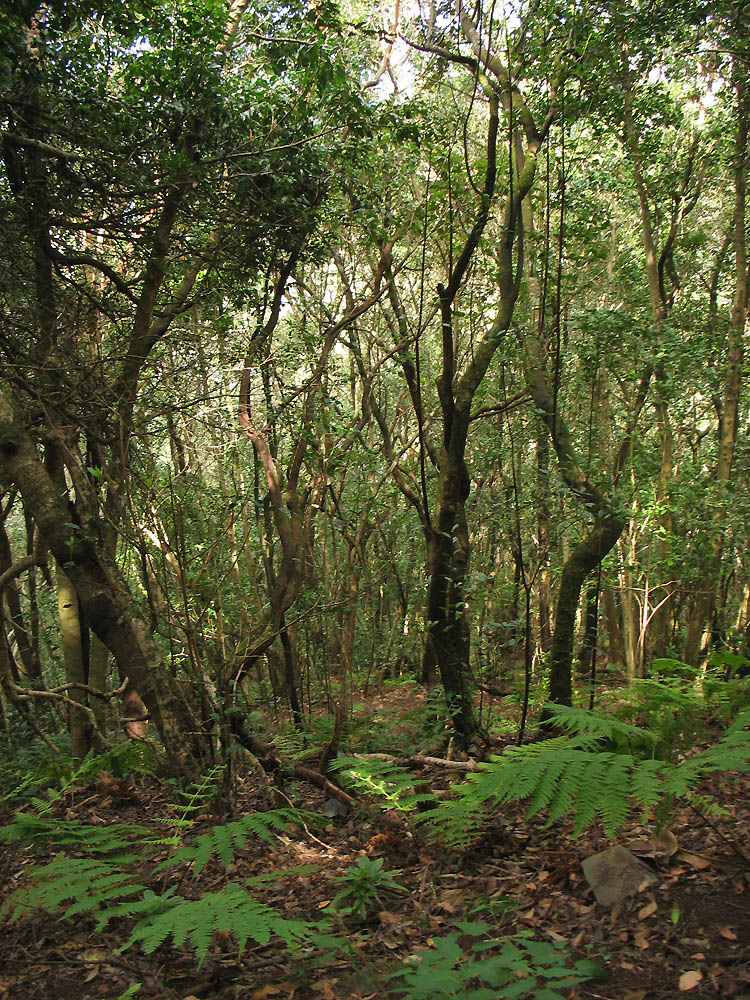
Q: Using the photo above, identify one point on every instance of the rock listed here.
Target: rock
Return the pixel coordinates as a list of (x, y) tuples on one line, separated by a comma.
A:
[(335, 809), (616, 873)]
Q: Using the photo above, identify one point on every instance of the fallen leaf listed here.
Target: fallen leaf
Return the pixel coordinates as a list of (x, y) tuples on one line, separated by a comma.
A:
[(265, 992), (386, 917), (648, 910), (727, 933), (689, 980), (664, 843), (640, 846), (641, 941), (695, 860)]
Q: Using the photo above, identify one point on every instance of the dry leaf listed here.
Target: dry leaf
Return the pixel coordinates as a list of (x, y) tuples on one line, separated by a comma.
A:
[(386, 917), (265, 992), (689, 980), (92, 974), (641, 941), (727, 933), (648, 910), (452, 900), (640, 846), (664, 843), (695, 860)]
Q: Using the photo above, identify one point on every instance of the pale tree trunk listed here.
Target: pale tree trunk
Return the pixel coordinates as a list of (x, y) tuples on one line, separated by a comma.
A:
[(75, 667), (707, 585)]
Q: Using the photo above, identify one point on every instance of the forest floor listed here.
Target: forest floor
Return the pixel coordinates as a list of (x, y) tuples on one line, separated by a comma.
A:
[(687, 935)]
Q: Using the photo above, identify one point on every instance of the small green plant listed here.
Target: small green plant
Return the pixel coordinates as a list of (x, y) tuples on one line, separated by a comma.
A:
[(193, 800), (488, 969), (362, 885)]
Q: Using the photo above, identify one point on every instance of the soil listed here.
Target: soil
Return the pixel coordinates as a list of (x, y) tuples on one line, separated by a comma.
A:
[(687, 935)]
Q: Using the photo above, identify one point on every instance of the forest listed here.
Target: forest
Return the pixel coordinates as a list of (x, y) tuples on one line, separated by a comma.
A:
[(374, 499)]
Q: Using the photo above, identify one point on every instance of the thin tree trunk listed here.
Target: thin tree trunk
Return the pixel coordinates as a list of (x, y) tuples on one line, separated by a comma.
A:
[(707, 585)]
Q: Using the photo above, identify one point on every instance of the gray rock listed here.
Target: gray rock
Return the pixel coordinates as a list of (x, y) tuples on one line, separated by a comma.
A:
[(616, 873), (335, 809)]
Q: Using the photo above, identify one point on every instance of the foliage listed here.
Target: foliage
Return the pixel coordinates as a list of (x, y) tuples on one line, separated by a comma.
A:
[(99, 872), (224, 840), (577, 775), (230, 909), (57, 775), (487, 969), (391, 785), (362, 885)]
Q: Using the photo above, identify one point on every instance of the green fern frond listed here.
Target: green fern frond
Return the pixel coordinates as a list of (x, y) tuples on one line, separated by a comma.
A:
[(91, 883), (557, 776), (561, 777), (231, 910), (595, 728), (393, 785), (731, 753), (49, 831), (195, 798), (222, 841)]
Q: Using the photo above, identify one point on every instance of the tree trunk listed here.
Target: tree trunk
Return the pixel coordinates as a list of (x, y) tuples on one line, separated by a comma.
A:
[(75, 668), (707, 585), (585, 557), (103, 595)]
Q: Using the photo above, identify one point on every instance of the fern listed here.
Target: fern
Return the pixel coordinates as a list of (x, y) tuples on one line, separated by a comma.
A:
[(91, 883), (222, 841), (393, 785), (519, 967), (561, 777), (30, 829), (231, 910)]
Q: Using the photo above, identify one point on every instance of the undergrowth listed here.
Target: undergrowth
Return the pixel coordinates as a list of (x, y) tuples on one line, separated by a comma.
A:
[(587, 773)]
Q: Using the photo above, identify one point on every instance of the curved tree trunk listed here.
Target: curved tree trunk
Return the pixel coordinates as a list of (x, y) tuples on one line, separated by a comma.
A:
[(589, 552), (103, 595)]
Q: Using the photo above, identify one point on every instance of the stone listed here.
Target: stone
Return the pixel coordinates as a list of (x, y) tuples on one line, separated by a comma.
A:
[(616, 873)]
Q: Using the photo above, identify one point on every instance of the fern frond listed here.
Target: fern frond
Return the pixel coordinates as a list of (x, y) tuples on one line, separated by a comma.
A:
[(231, 910), (393, 785), (560, 776), (49, 831), (596, 728), (91, 883), (731, 753), (222, 841)]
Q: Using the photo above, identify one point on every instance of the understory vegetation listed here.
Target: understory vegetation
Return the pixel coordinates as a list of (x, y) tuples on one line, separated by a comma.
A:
[(374, 492)]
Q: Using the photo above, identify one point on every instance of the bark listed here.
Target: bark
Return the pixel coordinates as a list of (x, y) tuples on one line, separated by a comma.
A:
[(585, 557), (29, 660), (75, 670), (613, 619), (707, 585), (103, 596)]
